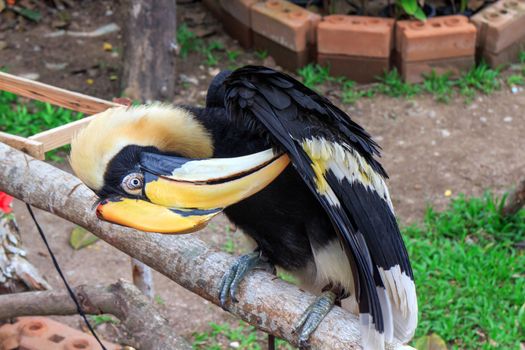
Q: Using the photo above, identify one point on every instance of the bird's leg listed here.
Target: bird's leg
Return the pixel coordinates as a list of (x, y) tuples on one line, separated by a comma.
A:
[(244, 264), (315, 313)]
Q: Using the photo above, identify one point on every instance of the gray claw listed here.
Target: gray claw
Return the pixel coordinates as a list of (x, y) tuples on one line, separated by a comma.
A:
[(313, 316), (240, 268)]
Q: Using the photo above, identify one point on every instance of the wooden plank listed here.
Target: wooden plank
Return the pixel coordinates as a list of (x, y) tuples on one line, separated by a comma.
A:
[(34, 148), (60, 136), (56, 96)]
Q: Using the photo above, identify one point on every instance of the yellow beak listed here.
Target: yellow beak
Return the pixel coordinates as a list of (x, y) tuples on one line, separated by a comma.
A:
[(146, 216), (182, 195)]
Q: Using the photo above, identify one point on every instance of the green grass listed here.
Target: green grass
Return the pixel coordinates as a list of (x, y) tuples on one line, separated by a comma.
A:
[(470, 279), (314, 75), (188, 41), (261, 54), (439, 85), (97, 320), (33, 117), (481, 78), (243, 336), (515, 79)]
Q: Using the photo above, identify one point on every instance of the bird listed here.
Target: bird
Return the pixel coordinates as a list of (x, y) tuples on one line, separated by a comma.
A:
[(288, 167)]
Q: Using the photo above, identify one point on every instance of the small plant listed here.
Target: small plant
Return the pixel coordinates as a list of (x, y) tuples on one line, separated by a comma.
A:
[(158, 299), (232, 55), (229, 245), (439, 85), (391, 84), (521, 56), (411, 8), (188, 41), (314, 75), (481, 78), (261, 54), (515, 79), (97, 320), (209, 52), (350, 94)]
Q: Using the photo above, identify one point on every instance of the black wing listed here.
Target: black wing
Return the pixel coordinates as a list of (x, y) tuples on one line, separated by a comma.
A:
[(335, 157)]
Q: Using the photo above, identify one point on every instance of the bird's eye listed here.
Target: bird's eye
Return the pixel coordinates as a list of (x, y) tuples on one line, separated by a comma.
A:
[(133, 183)]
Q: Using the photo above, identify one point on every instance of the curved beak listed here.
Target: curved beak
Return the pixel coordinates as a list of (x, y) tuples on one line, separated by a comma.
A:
[(184, 194)]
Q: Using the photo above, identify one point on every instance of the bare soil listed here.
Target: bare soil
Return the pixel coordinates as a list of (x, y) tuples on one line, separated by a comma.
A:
[(428, 147)]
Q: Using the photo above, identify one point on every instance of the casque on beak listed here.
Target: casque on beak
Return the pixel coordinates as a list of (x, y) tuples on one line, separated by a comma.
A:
[(181, 195)]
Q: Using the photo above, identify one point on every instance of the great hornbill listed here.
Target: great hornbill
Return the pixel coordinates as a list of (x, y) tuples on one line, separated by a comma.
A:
[(327, 219)]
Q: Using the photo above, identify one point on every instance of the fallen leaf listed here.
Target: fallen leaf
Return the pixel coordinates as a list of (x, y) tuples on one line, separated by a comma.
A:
[(89, 81), (430, 342), (107, 46), (81, 238)]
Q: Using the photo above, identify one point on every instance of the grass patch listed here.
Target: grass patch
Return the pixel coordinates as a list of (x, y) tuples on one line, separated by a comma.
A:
[(470, 279), (314, 75), (226, 336), (481, 78), (33, 117), (188, 41), (97, 320), (469, 275)]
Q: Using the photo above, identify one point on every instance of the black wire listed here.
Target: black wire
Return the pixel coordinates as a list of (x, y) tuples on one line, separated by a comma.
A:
[(57, 267)]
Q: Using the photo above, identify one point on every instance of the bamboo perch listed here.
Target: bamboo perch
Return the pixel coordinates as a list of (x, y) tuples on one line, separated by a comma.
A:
[(54, 95), (48, 140), (266, 302)]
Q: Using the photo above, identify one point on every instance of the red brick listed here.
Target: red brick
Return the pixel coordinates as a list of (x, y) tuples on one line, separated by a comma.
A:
[(214, 7), (355, 36), (506, 56), (287, 24), (283, 56), (358, 68), (239, 9), (238, 30), (412, 72), (41, 333), (436, 38), (500, 25)]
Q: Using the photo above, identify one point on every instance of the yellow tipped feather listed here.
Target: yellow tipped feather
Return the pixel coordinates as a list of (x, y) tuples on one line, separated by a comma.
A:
[(168, 128)]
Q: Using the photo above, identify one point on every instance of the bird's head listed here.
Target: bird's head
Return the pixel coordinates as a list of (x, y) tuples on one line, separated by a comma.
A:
[(151, 166)]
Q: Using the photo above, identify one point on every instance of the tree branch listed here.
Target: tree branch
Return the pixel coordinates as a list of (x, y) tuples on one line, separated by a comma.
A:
[(146, 327), (266, 302)]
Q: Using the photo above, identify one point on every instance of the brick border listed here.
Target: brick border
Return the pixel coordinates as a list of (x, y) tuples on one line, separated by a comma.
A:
[(359, 47)]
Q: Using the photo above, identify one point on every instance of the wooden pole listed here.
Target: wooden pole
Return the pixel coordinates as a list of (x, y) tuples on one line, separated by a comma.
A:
[(149, 50), (149, 73), (265, 301)]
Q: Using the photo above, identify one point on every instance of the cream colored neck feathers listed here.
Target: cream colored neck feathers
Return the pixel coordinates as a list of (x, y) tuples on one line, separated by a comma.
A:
[(168, 128)]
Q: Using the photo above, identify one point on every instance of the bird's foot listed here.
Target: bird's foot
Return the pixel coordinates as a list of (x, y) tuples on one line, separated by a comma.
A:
[(313, 316), (244, 264)]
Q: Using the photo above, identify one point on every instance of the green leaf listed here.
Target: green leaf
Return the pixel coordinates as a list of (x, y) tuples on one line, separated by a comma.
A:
[(31, 15), (81, 238), (431, 342), (419, 14), (410, 6)]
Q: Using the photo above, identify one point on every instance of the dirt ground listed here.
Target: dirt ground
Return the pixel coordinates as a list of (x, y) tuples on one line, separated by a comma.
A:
[(428, 147)]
